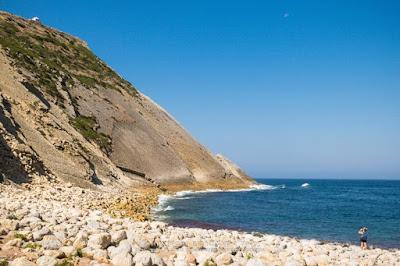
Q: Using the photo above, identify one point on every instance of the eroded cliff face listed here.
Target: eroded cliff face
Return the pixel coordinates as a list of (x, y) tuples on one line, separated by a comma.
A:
[(64, 114)]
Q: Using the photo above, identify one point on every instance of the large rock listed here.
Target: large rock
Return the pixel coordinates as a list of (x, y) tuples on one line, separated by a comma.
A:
[(143, 243), (100, 255), (22, 262), (46, 261), (16, 242), (39, 234), (118, 236), (295, 262), (51, 242), (123, 248), (157, 260), (203, 256), (123, 259), (81, 239), (224, 259), (255, 262), (9, 224), (143, 258), (190, 258), (68, 251), (101, 240)]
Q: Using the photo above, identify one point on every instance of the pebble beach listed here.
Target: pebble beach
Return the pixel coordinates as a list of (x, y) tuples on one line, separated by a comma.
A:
[(64, 225)]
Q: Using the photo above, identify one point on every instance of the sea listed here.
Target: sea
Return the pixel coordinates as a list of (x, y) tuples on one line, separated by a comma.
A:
[(325, 210)]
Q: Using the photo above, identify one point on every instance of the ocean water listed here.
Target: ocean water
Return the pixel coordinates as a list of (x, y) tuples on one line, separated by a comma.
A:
[(328, 210)]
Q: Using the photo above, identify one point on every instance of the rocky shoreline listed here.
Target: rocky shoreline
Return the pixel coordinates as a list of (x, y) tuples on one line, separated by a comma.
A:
[(65, 225)]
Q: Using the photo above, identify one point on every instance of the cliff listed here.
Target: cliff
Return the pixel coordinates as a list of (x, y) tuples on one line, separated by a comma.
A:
[(65, 115)]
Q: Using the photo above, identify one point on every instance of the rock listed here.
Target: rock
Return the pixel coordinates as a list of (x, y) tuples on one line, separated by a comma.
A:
[(31, 221), (157, 260), (203, 256), (212, 248), (311, 261), (68, 251), (195, 244), (3, 231), (81, 240), (21, 213), (46, 261), (190, 258), (123, 259), (143, 243), (54, 253), (38, 235), (181, 263), (255, 262), (50, 242), (123, 248), (294, 262), (100, 255), (60, 236), (10, 225), (16, 242), (143, 258), (118, 236), (21, 262), (178, 244), (322, 260), (224, 259), (101, 241)]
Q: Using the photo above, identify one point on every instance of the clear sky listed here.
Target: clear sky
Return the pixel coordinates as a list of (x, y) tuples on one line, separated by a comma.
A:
[(284, 88)]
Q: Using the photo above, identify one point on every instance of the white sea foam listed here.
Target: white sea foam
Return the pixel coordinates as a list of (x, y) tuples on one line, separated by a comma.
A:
[(183, 198), (305, 185), (161, 208), (163, 199), (186, 194), (169, 208), (183, 193)]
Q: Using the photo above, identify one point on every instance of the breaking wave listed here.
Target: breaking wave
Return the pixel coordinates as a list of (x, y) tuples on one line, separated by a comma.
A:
[(163, 200)]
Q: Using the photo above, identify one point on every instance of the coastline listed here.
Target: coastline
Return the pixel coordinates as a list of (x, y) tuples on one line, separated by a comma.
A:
[(65, 224), (161, 211)]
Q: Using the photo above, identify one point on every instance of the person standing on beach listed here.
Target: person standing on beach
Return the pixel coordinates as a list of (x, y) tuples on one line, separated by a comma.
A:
[(363, 232)]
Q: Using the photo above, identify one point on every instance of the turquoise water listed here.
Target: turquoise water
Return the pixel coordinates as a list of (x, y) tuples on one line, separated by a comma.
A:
[(330, 210)]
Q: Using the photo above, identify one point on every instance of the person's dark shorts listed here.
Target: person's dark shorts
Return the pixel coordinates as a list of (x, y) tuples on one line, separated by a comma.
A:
[(363, 239)]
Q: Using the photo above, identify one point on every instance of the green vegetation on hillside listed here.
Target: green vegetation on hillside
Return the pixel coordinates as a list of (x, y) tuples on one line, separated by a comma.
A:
[(87, 126), (55, 59)]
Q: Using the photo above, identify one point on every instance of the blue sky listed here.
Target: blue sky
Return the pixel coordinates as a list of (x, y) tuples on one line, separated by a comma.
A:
[(284, 88)]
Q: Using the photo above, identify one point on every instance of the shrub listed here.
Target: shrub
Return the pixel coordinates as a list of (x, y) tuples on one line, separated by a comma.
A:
[(12, 216), (20, 236), (33, 245), (248, 256), (209, 262), (79, 253), (65, 262)]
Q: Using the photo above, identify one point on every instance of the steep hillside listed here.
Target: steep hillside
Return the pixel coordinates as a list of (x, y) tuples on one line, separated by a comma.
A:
[(66, 115)]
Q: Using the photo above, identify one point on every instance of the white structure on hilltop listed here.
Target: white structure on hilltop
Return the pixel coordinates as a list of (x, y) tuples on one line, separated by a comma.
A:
[(35, 19)]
